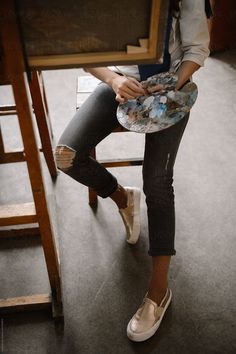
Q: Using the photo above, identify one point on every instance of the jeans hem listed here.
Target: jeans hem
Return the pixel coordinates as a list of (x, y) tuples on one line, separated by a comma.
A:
[(109, 193), (154, 253)]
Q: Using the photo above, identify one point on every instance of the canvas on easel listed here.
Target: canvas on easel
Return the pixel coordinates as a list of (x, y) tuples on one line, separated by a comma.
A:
[(59, 34)]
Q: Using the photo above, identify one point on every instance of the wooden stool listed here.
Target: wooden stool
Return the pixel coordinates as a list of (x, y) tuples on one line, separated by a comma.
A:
[(85, 85)]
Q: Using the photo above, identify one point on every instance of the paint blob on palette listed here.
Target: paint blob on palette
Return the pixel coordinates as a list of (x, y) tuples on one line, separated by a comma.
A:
[(158, 110)]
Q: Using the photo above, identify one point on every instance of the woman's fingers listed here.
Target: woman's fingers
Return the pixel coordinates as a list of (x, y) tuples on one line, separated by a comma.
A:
[(120, 98), (127, 88), (155, 88), (123, 98), (130, 88), (136, 85), (129, 93)]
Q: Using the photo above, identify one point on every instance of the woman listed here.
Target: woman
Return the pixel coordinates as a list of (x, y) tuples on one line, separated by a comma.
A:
[(188, 48)]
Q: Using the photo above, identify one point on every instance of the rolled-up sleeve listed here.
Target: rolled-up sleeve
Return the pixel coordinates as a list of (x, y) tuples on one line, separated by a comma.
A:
[(194, 31)]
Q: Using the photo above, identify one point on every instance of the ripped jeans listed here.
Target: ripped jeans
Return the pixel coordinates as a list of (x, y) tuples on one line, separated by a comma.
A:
[(96, 119)]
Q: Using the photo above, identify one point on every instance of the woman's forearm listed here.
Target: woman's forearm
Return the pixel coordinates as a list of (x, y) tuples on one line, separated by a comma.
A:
[(102, 73), (185, 71), (124, 87)]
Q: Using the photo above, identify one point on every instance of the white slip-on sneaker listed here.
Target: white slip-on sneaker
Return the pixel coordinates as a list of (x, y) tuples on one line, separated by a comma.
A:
[(131, 214), (147, 319)]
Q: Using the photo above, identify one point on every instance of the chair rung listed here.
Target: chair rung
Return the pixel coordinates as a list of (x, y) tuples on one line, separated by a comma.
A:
[(122, 162), (16, 214), (31, 302), (8, 110), (13, 156), (6, 232)]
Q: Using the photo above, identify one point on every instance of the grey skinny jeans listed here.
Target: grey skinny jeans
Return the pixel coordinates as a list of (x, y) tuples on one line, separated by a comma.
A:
[(96, 119)]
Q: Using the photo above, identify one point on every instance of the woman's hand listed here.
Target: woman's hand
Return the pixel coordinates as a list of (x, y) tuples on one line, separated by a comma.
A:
[(155, 88), (126, 88)]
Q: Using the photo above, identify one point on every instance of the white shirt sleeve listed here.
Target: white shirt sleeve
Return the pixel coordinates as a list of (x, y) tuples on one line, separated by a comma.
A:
[(194, 31)]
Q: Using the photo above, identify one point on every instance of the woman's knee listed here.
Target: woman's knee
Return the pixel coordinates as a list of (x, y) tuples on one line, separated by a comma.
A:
[(159, 189), (64, 156)]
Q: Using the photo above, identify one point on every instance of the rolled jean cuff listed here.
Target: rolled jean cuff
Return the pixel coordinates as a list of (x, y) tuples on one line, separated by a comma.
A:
[(159, 252), (112, 188)]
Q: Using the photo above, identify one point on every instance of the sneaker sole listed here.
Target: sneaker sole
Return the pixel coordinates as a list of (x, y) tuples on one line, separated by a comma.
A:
[(139, 337)]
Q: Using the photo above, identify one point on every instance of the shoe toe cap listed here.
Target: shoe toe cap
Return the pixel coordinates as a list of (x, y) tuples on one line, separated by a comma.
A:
[(141, 324)]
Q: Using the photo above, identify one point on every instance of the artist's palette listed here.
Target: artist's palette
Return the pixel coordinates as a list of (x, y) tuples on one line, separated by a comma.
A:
[(158, 111)]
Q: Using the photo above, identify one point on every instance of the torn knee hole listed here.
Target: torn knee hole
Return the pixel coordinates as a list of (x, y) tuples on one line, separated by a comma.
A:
[(64, 157)]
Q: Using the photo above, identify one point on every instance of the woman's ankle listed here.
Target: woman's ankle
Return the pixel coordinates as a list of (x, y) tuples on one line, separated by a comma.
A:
[(159, 279), (120, 197), (157, 294)]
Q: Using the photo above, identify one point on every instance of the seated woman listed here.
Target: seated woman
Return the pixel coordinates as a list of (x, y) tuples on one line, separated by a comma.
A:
[(96, 119)]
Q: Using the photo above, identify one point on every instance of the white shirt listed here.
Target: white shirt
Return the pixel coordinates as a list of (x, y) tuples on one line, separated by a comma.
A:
[(189, 38)]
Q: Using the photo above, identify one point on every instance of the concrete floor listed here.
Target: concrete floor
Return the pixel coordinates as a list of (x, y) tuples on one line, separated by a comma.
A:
[(103, 278)]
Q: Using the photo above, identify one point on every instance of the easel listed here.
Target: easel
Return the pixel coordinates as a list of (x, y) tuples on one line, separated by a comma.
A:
[(36, 212), (14, 69)]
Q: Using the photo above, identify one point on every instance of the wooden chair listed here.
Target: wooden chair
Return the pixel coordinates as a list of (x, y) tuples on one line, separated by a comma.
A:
[(85, 85)]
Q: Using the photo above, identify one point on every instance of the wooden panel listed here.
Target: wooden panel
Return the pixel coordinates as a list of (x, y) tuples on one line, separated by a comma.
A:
[(61, 33), (223, 25), (68, 27), (32, 302), (4, 78), (15, 214)]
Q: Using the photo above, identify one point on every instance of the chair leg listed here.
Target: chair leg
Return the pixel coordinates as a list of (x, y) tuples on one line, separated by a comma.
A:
[(93, 198), (45, 103), (41, 117)]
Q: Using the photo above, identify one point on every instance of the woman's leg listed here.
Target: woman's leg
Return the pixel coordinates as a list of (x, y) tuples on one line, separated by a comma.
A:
[(93, 122), (160, 153)]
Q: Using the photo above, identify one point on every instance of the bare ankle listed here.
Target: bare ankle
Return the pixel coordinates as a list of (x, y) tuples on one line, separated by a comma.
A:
[(120, 197), (157, 295)]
